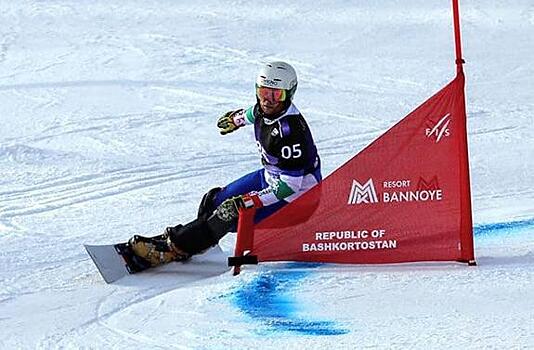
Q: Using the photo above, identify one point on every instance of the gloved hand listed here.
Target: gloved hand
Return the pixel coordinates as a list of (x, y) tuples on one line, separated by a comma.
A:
[(231, 121), (229, 209)]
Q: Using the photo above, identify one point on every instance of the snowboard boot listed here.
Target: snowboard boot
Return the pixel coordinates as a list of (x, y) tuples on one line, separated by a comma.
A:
[(157, 250)]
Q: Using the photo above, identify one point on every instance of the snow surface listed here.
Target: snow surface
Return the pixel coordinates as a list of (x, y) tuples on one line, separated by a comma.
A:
[(107, 114)]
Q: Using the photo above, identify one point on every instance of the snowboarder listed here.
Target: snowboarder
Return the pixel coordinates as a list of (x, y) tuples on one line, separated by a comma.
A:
[(291, 166)]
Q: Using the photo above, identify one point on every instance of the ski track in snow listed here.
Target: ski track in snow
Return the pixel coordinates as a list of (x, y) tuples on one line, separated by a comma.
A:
[(63, 193), (137, 339)]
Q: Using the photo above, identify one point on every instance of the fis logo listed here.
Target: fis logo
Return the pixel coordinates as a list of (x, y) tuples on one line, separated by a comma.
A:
[(363, 194), (441, 128)]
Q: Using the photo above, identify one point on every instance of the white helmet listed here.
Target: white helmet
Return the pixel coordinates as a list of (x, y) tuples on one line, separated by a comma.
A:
[(278, 75)]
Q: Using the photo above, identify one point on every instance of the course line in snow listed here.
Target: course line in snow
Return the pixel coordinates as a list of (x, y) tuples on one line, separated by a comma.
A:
[(501, 228)]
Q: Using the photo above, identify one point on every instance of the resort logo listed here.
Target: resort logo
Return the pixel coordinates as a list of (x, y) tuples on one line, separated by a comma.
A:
[(365, 193), (395, 191)]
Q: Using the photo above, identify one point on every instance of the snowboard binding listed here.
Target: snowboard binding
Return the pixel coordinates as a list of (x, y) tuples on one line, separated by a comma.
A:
[(145, 252)]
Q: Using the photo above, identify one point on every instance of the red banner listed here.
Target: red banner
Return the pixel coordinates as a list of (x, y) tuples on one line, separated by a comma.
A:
[(403, 198)]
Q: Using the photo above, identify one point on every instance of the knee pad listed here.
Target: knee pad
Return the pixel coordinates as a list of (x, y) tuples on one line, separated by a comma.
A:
[(207, 205)]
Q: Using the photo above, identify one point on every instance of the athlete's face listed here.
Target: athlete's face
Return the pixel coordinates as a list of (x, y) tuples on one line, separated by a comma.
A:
[(270, 100)]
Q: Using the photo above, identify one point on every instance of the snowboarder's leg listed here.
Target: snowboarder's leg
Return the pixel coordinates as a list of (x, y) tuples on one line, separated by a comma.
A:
[(213, 222), (245, 184), (183, 241), (254, 181)]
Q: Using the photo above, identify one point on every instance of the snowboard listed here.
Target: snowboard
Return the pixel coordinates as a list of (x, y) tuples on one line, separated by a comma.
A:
[(115, 261)]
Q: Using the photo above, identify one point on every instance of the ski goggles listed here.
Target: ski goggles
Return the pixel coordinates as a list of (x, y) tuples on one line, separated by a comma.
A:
[(271, 94)]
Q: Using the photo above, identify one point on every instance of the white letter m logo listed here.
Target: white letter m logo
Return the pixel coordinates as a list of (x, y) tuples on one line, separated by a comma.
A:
[(362, 194)]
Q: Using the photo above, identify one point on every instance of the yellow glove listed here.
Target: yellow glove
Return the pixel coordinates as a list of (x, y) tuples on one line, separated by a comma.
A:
[(231, 121)]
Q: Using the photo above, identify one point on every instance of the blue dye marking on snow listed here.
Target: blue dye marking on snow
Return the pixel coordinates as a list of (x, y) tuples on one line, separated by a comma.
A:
[(267, 299), (503, 227)]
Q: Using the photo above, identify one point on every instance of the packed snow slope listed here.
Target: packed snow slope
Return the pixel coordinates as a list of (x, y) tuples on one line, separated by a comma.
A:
[(107, 128)]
